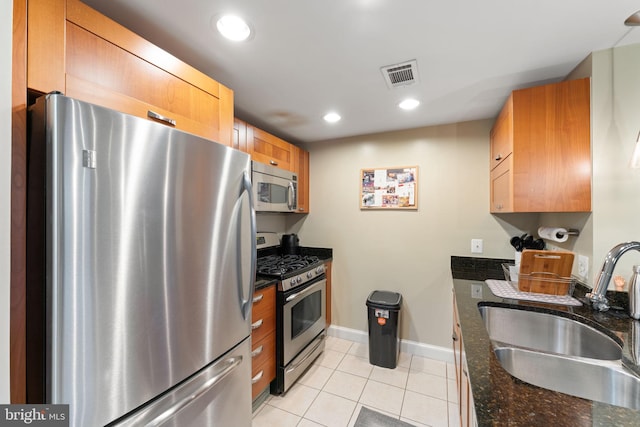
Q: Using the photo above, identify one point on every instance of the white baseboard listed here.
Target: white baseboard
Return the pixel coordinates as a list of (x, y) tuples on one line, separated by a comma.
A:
[(412, 347)]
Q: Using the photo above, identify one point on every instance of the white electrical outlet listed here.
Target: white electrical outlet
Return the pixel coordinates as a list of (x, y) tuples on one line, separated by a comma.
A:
[(476, 291), (583, 266), (476, 246)]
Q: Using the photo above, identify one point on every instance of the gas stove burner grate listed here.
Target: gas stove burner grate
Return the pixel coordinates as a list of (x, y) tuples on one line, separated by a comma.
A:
[(279, 265)]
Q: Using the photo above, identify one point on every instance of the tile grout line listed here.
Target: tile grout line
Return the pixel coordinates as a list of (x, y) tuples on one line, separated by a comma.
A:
[(336, 362)]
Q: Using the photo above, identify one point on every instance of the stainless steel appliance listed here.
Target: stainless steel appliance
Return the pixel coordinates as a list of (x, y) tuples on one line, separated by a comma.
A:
[(274, 189), (300, 309), (141, 254)]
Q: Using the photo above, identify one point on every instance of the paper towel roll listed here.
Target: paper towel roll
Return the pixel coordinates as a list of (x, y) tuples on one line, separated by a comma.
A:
[(556, 234)]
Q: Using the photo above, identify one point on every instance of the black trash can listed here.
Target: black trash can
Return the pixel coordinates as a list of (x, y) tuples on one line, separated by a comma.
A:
[(384, 318)]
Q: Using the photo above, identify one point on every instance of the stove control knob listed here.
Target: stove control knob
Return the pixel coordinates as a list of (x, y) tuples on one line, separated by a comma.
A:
[(293, 281), (299, 279), (309, 274), (320, 270)]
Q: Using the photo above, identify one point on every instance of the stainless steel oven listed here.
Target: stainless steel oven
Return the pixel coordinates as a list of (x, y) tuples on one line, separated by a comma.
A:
[(300, 309), (300, 325), (303, 312)]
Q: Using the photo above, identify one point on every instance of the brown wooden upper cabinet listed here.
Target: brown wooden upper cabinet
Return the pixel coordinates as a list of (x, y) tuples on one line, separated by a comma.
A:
[(240, 135), (74, 49), (300, 165), (267, 148), (541, 150)]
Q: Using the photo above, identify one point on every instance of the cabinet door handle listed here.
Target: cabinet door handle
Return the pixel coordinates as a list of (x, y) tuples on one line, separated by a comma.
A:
[(258, 298), (257, 378), (159, 117), (498, 157), (273, 162), (454, 336), (257, 351), (256, 325)]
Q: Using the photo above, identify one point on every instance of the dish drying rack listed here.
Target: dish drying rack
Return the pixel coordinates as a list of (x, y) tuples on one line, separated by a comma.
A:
[(539, 282)]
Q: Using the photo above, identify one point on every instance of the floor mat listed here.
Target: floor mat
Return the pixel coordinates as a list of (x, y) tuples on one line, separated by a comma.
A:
[(371, 418)]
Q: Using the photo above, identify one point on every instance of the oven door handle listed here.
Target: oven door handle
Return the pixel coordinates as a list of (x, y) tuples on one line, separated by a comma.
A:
[(309, 353), (298, 294)]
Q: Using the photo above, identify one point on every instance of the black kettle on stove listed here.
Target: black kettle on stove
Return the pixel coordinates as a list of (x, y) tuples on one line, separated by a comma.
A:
[(290, 244)]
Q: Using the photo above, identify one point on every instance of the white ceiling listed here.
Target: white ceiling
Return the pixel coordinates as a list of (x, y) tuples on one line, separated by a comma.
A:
[(311, 56)]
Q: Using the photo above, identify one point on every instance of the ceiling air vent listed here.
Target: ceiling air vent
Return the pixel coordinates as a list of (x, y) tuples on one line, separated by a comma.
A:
[(403, 74)]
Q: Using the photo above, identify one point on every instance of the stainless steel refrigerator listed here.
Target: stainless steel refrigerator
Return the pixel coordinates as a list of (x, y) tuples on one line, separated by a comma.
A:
[(141, 267)]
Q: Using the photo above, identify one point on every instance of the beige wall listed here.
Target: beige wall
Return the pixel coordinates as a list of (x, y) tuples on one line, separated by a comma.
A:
[(6, 25), (615, 126), (404, 251), (409, 252), (615, 123)]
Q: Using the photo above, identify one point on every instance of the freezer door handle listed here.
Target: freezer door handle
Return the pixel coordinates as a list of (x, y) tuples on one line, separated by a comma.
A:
[(225, 369)]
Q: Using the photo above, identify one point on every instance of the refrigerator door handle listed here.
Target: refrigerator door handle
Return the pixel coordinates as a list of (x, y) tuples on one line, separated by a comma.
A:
[(228, 365), (246, 297)]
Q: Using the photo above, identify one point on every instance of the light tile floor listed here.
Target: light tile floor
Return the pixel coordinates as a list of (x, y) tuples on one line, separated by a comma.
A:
[(419, 391)]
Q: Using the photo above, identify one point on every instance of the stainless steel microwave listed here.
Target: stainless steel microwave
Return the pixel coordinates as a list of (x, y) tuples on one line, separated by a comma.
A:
[(274, 189)]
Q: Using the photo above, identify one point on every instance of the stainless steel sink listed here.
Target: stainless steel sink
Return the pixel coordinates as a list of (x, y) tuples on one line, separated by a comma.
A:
[(548, 333), (561, 354), (602, 381)]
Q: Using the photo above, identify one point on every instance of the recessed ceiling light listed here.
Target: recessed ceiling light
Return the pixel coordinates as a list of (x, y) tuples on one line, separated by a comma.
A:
[(233, 28), (332, 117), (633, 20), (409, 104)]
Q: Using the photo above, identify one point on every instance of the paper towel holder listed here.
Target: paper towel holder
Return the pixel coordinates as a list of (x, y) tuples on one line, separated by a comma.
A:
[(571, 232)]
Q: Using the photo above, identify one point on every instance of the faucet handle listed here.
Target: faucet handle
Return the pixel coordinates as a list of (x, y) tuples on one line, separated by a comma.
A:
[(599, 302)]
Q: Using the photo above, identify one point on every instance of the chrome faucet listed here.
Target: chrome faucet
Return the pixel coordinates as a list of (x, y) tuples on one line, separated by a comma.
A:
[(597, 296)]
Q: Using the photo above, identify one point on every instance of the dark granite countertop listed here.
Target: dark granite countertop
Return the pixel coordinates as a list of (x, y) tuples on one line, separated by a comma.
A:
[(502, 400), (325, 254), (264, 282)]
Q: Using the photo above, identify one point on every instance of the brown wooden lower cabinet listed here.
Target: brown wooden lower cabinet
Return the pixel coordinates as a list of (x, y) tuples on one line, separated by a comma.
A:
[(465, 399), (263, 364), (263, 339), (327, 266)]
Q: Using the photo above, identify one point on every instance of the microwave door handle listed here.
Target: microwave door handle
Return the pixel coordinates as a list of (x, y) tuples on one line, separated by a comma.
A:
[(292, 196)]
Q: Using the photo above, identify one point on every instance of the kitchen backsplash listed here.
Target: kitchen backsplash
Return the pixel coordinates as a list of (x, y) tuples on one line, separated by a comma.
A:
[(471, 268)]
